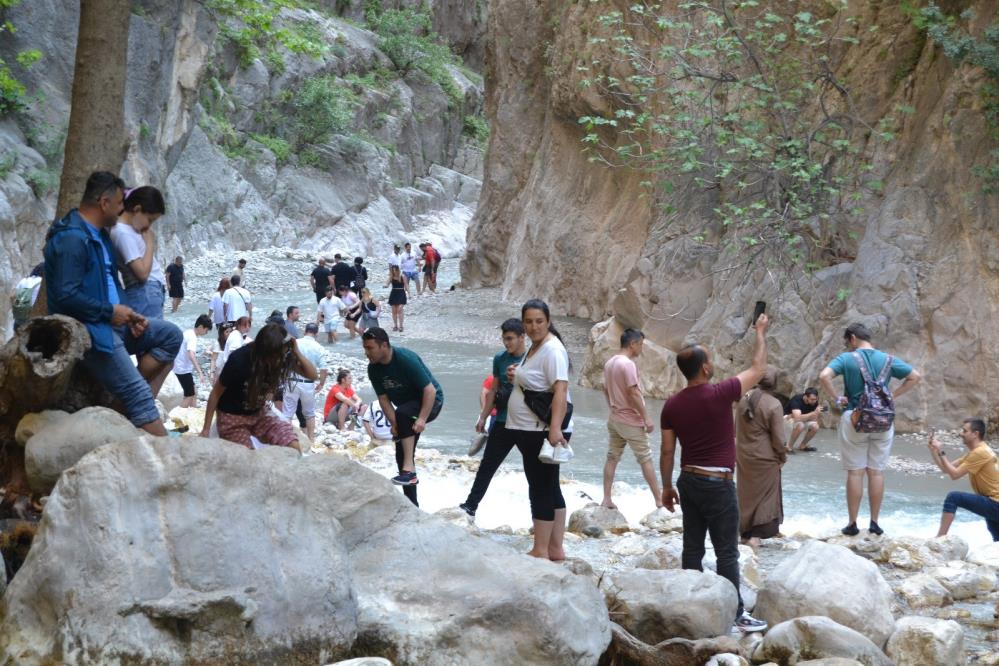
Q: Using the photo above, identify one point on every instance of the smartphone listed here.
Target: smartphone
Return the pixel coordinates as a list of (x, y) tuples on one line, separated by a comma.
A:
[(761, 307)]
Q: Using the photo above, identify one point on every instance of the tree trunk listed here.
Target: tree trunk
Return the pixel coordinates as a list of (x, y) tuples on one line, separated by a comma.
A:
[(39, 370), (96, 138), (626, 650)]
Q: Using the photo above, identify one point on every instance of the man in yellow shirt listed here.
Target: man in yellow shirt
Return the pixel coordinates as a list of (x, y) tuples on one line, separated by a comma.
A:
[(980, 463)]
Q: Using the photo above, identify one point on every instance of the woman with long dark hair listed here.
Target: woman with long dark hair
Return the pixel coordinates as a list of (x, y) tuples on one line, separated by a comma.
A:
[(135, 251), (215, 307), (540, 380), (250, 376)]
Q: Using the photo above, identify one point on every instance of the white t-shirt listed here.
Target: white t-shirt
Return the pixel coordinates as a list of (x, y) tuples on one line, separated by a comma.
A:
[(182, 364), (330, 307), (379, 422), (537, 372), (408, 262), (232, 343), (395, 260), (236, 300), (215, 305), (129, 246)]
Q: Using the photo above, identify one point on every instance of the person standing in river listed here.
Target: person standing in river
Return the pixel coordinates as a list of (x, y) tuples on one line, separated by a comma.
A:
[(979, 464), (237, 301), (240, 272), (410, 268), (864, 453), (176, 279), (215, 308), (186, 363), (629, 424), (499, 443), (760, 455), (342, 273), (544, 374), (328, 314), (409, 395), (700, 417), (135, 252), (397, 298), (320, 279)]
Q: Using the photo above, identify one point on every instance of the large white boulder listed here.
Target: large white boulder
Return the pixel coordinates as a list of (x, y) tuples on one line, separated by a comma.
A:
[(923, 591), (964, 580), (177, 551), (918, 641), (914, 553), (817, 637), (656, 605), (58, 440), (987, 555), (824, 579)]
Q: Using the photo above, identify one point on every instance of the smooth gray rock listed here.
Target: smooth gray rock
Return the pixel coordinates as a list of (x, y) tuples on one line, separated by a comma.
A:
[(823, 579), (200, 550), (658, 605), (925, 640), (817, 637), (594, 515)]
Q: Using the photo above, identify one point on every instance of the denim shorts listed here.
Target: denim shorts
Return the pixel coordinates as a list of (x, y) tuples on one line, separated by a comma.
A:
[(412, 275), (147, 298)]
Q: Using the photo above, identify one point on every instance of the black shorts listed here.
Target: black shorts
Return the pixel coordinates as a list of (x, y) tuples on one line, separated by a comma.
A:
[(187, 383), (406, 415), (176, 291)]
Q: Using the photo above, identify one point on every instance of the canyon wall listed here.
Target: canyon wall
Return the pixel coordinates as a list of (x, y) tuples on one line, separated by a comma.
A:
[(923, 259)]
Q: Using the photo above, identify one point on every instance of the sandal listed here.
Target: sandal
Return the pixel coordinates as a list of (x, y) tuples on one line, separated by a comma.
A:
[(808, 448)]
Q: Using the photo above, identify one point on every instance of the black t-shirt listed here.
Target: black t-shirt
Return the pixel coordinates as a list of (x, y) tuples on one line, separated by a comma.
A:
[(798, 402), (342, 274), (235, 378), (322, 276), (175, 275)]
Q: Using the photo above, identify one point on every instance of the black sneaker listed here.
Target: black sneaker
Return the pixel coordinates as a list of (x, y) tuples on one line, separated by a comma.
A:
[(467, 509), (850, 530), (875, 529), (405, 479), (748, 624)]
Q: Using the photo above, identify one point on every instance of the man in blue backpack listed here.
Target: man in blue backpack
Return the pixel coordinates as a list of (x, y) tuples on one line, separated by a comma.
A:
[(865, 428)]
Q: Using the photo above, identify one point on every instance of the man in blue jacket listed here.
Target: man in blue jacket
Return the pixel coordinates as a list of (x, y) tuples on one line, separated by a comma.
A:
[(81, 282)]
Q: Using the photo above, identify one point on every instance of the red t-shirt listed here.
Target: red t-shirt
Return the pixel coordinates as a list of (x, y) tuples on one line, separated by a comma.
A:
[(701, 417), (332, 400), (488, 384)]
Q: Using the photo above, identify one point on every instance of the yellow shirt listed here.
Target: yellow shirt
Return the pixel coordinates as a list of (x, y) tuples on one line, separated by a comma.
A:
[(980, 464)]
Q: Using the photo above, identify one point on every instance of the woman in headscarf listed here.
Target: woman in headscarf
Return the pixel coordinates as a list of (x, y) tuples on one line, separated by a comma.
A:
[(760, 455)]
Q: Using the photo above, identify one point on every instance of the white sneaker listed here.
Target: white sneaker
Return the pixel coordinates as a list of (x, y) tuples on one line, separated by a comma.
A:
[(547, 454), (563, 454), (477, 441)]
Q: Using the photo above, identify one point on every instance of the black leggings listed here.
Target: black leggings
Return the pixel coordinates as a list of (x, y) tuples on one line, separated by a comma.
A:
[(498, 446), (542, 478), (405, 416)]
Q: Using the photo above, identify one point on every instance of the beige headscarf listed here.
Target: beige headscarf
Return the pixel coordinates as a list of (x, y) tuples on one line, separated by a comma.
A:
[(768, 384)]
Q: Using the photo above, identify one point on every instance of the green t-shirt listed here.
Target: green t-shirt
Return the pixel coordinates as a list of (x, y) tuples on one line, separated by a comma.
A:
[(403, 378), (853, 381), (501, 362)]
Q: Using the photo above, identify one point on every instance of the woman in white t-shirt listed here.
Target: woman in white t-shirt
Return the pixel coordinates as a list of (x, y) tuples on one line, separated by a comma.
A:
[(135, 251), (231, 339), (545, 368), (216, 310)]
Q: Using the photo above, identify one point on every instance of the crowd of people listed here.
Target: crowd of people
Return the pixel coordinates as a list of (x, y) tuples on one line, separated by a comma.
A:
[(736, 428)]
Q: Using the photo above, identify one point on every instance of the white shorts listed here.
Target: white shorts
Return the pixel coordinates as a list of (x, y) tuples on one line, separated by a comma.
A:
[(300, 391), (863, 450), (331, 326)]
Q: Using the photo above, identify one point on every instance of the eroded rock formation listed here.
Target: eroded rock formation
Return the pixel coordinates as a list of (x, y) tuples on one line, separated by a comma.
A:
[(921, 270)]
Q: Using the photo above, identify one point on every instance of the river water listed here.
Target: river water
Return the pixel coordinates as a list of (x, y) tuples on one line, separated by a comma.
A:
[(457, 334)]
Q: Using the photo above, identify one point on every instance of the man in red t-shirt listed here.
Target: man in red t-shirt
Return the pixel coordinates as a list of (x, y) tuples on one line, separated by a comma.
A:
[(700, 416)]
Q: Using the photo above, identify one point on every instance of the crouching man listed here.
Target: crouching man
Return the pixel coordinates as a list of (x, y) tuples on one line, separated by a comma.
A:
[(81, 282), (979, 463)]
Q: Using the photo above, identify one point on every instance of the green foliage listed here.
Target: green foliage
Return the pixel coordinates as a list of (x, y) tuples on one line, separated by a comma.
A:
[(253, 28), (322, 107), (406, 36), (7, 164), (277, 145), (736, 102), (962, 48), (477, 129), (42, 181), (12, 91)]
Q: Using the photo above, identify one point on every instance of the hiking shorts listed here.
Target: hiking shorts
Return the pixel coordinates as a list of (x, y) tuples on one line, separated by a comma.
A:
[(412, 275), (621, 435), (863, 450)]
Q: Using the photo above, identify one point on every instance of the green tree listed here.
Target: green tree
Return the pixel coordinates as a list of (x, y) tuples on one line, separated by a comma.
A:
[(12, 91), (738, 102)]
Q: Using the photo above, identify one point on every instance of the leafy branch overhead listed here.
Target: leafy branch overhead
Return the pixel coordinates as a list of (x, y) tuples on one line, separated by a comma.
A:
[(737, 102), (12, 91)]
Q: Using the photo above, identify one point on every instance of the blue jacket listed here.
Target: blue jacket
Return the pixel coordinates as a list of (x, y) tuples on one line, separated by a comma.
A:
[(75, 283)]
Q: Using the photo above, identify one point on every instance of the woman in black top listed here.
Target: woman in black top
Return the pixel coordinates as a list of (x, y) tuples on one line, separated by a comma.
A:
[(397, 297), (250, 376)]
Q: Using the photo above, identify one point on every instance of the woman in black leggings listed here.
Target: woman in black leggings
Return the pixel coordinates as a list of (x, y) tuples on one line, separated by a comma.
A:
[(545, 368)]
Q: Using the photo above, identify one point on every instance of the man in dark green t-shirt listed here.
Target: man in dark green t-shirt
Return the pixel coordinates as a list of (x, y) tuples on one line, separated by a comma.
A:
[(401, 378), (500, 443)]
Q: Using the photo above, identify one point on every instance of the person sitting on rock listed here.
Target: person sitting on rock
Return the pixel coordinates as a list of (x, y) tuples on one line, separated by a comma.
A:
[(409, 395), (700, 417), (135, 252), (979, 463), (82, 283), (341, 402), (248, 380), (804, 413), (377, 425)]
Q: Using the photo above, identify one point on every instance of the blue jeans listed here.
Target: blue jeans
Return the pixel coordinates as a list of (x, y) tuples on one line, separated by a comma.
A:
[(710, 507), (116, 372), (147, 298), (986, 507)]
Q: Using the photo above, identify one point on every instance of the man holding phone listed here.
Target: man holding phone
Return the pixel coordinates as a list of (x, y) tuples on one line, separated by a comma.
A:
[(979, 464), (804, 412)]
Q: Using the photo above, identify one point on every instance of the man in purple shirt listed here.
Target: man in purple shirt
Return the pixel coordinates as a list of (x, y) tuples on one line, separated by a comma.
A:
[(700, 416)]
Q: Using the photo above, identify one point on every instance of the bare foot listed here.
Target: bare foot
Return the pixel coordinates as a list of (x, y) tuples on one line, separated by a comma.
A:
[(608, 504), (556, 555), (533, 553)]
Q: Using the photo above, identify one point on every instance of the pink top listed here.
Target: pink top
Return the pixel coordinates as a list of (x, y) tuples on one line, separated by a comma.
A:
[(620, 374)]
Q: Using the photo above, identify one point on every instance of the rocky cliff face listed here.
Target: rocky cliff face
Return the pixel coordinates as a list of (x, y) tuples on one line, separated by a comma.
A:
[(924, 277), (206, 123)]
